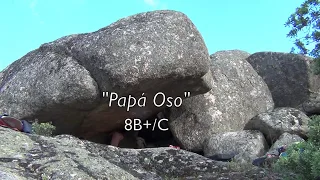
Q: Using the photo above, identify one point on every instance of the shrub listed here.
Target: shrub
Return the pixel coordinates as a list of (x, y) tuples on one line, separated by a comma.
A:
[(303, 158), (314, 131), (44, 129)]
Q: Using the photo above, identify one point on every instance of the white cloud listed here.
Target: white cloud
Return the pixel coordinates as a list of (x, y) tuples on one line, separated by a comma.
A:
[(79, 2), (32, 6), (155, 4), (152, 3)]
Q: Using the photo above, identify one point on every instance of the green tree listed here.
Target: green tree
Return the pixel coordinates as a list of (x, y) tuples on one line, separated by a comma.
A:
[(305, 20)]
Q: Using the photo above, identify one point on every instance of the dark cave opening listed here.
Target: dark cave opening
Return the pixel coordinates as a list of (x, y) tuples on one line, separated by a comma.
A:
[(160, 136), (146, 137)]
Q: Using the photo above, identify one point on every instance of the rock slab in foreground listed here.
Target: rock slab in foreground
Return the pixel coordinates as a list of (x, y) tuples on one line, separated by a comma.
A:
[(62, 81), (238, 94), (65, 157)]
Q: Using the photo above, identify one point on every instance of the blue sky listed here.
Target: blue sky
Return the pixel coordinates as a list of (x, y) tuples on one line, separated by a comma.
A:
[(249, 25)]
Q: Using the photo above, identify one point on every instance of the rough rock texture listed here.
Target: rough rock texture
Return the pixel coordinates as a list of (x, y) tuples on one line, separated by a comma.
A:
[(238, 94), (62, 81), (280, 120), (66, 157), (248, 145), (288, 77), (286, 139), (311, 107)]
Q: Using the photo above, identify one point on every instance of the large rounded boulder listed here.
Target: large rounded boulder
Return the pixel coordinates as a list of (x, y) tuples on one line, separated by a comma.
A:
[(289, 78), (238, 94), (64, 81)]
